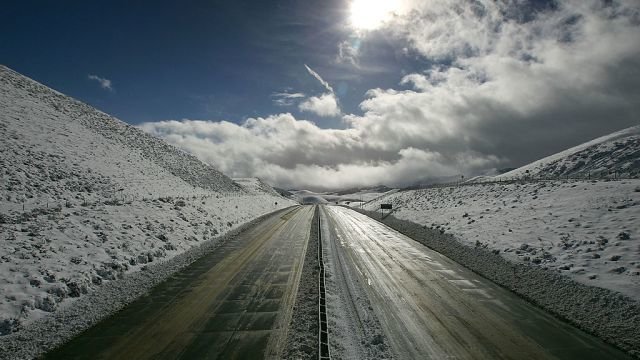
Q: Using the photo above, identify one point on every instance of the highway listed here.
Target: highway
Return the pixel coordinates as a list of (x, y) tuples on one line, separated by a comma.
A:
[(387, 296)]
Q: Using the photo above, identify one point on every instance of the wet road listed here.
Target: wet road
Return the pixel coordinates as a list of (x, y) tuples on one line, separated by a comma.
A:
[(429, 307), (233, 303)]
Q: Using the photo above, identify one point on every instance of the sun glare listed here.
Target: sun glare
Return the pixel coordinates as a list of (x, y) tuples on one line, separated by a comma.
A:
[(371, 14)]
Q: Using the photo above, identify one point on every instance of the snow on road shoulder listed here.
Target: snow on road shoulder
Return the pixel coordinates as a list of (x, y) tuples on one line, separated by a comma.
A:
[(354, 329), (302, 336), (588, 231)]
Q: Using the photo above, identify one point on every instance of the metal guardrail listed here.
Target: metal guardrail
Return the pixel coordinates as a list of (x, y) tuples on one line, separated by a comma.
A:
[(323, 332)]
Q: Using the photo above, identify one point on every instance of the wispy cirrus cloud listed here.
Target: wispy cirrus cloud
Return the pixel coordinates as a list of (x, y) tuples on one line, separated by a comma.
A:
[(104, 83), (319, 78), (286, 98)]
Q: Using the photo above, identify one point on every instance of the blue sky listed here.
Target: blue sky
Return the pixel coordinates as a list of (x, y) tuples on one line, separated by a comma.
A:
[(193, 59), (343, 93)]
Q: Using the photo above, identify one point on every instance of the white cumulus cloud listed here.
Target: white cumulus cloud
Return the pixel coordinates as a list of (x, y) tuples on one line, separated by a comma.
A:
[(323, 105)]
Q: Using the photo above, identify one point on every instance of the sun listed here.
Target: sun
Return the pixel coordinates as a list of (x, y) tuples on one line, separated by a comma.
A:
[(371, 14)]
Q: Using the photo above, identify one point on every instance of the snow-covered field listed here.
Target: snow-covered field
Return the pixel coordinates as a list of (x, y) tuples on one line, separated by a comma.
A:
[(86, 198), (588, 230)]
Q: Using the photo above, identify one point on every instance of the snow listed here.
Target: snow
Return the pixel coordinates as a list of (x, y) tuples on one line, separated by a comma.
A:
[(255, 186), (302, 337), (86, 199), (586, 230), (355, 331)]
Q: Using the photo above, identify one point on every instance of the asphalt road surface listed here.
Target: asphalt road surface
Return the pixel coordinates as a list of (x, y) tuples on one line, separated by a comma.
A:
[(427, 306), (234, 303), (387, 296)]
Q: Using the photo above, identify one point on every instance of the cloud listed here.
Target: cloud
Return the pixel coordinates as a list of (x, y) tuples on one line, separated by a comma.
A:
[(504, 83), (323, 105), (319, 78), (295, 153), (104, 83), (286, 99), (520, 83), (348, 51)]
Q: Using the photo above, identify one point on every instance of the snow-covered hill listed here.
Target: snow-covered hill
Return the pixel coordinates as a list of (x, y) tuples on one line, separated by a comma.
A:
[(614, 155), (86, 198), (256, 186)]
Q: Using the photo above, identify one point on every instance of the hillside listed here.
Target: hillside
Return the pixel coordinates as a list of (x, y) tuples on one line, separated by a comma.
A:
[(86, 199), (585, 229), (613, 155), (256, 186)]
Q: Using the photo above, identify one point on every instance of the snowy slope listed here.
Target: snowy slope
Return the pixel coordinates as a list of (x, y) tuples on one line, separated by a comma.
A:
[(86, 198), (255, 186), (589, 231), (618, 152)]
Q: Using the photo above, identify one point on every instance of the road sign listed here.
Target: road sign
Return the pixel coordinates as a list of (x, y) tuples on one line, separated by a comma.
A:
[(386, 206)]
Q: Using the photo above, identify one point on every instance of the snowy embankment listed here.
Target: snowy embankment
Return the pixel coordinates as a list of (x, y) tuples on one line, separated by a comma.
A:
[(573, 248), (86, 199), (589, 231)]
